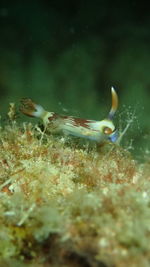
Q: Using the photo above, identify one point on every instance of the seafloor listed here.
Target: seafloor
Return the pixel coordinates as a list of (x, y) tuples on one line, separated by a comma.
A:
[(67, 203)]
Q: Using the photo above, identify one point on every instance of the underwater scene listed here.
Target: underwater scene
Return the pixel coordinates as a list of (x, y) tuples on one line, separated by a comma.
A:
[(74, 133)]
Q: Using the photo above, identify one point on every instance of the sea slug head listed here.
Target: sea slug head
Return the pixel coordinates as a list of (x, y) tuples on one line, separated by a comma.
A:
[(107, 127)]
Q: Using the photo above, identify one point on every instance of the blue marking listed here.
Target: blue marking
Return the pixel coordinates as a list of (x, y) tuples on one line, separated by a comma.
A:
[(114, 136)]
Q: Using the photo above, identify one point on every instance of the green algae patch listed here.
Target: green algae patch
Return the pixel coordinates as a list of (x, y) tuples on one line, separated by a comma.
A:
[(63, 203)]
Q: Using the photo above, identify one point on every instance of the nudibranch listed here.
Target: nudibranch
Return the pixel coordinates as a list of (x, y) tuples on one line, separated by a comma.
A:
[(69, 125)]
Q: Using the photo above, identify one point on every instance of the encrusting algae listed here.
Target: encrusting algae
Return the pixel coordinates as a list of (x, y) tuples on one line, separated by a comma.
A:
[(67, 204)]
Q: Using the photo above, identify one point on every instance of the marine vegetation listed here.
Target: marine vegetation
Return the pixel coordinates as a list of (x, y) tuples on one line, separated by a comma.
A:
[(67, 203)]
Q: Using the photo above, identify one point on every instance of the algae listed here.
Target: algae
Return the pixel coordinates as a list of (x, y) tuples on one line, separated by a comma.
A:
[(64, 203)]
